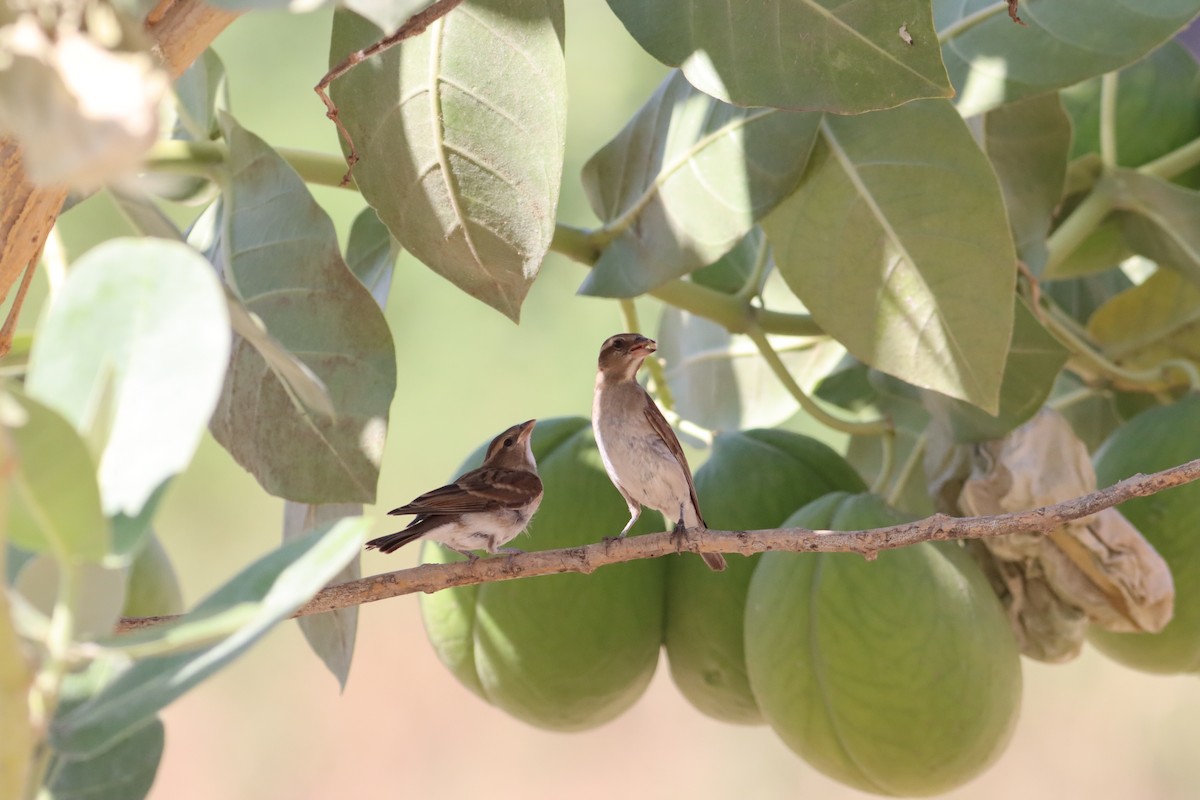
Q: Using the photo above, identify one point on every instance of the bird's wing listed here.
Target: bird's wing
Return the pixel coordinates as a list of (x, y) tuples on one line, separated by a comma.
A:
[(663, 428), (479, 490)]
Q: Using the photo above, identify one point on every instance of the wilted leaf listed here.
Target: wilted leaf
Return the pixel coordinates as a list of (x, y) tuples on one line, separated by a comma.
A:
[(1034, 361), (461, 132), (1148, 324), (825, 56), (1027, 143), (991, 61), (55, 502), (685, 181), (1164, 223), (898, 243), (272, 588), (133, 352), (330, 635), (280, 256)]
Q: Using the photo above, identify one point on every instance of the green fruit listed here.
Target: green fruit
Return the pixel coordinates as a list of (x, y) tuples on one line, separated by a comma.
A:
[(153, 588), (897, 676), (1155, 440), (564, 652), (754, 479)]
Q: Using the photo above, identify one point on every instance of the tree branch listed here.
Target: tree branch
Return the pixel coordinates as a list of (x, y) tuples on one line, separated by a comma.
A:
[(585, 559)]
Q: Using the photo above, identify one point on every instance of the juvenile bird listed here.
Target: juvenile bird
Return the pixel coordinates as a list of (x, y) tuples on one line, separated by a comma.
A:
[(641, 454), (482, 509)]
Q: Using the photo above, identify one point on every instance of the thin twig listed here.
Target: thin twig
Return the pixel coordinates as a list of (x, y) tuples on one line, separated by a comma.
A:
[(430, 578), (14, 313), (415, 25)]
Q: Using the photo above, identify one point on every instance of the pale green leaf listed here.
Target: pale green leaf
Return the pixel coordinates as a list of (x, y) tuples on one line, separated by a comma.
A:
[(1034, 361), (1147, 324), (16, 673), (273, 587), (387, 14), (124, 771), (280, 256), (99, 593), (898, 243), (153, 587), (371, 254), (330, 635), (1104, 249), (461, 133), (54, 506), (802, 54), (1163, 223), (992, 61), (685, 181), (1027, 143), (133, 352)]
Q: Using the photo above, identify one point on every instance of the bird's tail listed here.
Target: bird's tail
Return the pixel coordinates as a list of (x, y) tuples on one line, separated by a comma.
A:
[(692, 519), (394, 541), (715, 561)]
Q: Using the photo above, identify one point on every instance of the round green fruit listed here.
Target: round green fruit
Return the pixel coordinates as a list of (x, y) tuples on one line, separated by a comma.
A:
[(754, 479), (896, 676), (1155, 440), (563, 652)]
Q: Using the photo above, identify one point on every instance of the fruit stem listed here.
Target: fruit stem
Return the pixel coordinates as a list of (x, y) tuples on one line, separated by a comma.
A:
[(1108, 119)]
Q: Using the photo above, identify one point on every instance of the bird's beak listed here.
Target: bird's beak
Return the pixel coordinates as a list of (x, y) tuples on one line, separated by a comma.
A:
[(527, 427), (643, 346)]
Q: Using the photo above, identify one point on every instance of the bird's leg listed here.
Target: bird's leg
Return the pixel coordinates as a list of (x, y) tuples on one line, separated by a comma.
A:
[(635, 511), (509, 551), (471, 557), (679, 532)]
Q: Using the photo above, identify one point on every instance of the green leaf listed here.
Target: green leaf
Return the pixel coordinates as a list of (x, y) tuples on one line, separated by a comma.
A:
[(1080, 297), (1104, 249), (330, 635), (461, 133), (729, 273), (685, 181), (721, 382), (1163, 87), (371, 254), (133, 352), (55, 502), (827, 56), (280, 256), (1147, 324), (98, 595), (1034, 361), (387, 14), (898, 243), (16, 675), (200, 91), (1164, 223), (991, 61), (1027, 143), (274, 586), (153, 587), (125, 771)]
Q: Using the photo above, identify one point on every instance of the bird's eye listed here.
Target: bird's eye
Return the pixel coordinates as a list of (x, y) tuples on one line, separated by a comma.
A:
[(619, 344), (508, 442)]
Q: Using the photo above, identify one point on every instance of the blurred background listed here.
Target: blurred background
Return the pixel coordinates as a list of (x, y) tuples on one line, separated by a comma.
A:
[(275, 725)]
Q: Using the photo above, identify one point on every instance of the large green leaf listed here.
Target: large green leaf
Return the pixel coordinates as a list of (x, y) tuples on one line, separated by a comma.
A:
[(1034, 361), (898, 243), (331, 635), (133, 352), (1147, 324), (461, 133), (803, 54), (125, 771), (272, 588), (1027, 143), (1163, 223), (685, 181), (54, 506), (1163, 87), (371, 254), (991, 61), (280, 255)]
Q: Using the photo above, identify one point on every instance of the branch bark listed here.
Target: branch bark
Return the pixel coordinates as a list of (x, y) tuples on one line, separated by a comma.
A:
[(430, 578)]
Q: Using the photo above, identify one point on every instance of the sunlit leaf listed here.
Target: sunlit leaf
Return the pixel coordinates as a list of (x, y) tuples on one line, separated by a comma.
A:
[(461, 132), (685, 181), (330, 635), (281, 257), (274, 586), (991, 61), (1027, 143), (54, 506), (781, 52), (898, 243), (133, 352)]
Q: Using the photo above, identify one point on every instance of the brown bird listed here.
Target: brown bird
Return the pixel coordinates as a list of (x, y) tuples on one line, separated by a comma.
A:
[(481, 510), (640, 451)]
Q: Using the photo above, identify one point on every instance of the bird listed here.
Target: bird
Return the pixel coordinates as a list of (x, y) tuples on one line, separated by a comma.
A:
[(641, 453), (482, 509)]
